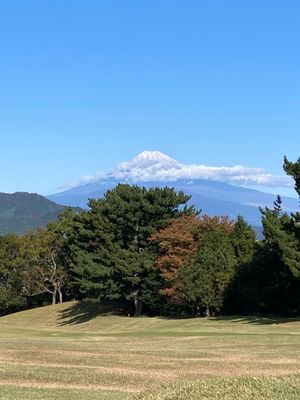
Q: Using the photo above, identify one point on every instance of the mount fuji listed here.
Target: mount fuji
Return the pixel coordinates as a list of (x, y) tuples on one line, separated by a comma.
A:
[(214, 190)]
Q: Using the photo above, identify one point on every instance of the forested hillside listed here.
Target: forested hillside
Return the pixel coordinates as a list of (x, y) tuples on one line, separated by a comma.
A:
[(20, 212)]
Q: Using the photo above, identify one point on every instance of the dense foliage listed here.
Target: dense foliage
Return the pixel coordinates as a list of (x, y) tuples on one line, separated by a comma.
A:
[(148, 252)]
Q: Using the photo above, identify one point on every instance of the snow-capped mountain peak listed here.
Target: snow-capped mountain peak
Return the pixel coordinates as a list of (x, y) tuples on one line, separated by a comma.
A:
[(147, 158), (147, 166)]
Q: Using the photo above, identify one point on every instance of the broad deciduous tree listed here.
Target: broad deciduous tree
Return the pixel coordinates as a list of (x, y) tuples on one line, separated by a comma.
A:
[(176, 243), (40, 262)]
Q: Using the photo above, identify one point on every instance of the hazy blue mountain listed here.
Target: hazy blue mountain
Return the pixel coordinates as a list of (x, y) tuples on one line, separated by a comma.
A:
[(211, 196), (20, 212)]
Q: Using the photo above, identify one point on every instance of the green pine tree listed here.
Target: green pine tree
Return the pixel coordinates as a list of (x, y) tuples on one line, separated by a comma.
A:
[(113, 257), (206, 279)]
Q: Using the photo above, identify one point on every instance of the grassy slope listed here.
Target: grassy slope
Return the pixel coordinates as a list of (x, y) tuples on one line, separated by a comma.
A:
[(82, 318), (76, 350)]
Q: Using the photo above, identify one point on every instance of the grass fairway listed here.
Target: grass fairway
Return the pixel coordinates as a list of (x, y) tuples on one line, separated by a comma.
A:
[(78, 351)]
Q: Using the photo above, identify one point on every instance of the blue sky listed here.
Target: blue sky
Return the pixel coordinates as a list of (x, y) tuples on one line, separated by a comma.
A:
[(87, 84)]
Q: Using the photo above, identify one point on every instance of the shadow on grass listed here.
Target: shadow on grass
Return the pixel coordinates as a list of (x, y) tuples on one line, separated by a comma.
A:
[(258, 320), (246, 319), (84, 311)]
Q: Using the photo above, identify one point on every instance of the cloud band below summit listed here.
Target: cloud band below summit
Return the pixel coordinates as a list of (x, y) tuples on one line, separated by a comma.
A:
[(151, 166)]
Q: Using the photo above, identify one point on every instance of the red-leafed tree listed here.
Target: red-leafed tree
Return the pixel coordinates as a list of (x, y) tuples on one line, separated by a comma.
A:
[(216, 223), (180, 245), (176, 244)]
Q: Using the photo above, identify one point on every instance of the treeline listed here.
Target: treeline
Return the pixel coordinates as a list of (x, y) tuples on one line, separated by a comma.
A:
[(147, 251)]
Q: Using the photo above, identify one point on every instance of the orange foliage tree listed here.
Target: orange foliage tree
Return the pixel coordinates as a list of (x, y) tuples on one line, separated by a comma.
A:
[(178, 244)]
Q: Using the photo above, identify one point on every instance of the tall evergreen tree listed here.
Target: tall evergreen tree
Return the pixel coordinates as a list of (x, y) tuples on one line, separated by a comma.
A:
[(282, 229), (206, 279), (243, 240), (293, 169), (113, 256)]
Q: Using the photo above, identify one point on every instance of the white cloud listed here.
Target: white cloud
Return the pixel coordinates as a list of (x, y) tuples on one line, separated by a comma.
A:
[(155, 166), (100, 176)]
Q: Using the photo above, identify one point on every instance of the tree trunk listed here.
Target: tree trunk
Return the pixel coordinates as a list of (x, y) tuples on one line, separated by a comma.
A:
[(138, 308), (54, 296), (138, 305), (207, 312), (60, 296)]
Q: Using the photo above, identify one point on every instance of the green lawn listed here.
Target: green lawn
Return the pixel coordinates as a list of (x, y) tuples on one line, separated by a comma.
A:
[(240, 388), (78, 351)]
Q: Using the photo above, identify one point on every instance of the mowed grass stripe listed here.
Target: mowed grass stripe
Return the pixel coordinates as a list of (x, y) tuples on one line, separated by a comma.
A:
[(13, 392), (243, 388), (64, 350)]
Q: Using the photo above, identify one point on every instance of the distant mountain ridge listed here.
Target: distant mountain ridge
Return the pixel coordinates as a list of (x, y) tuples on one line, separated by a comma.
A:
[(155, 169), (22, 211)]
